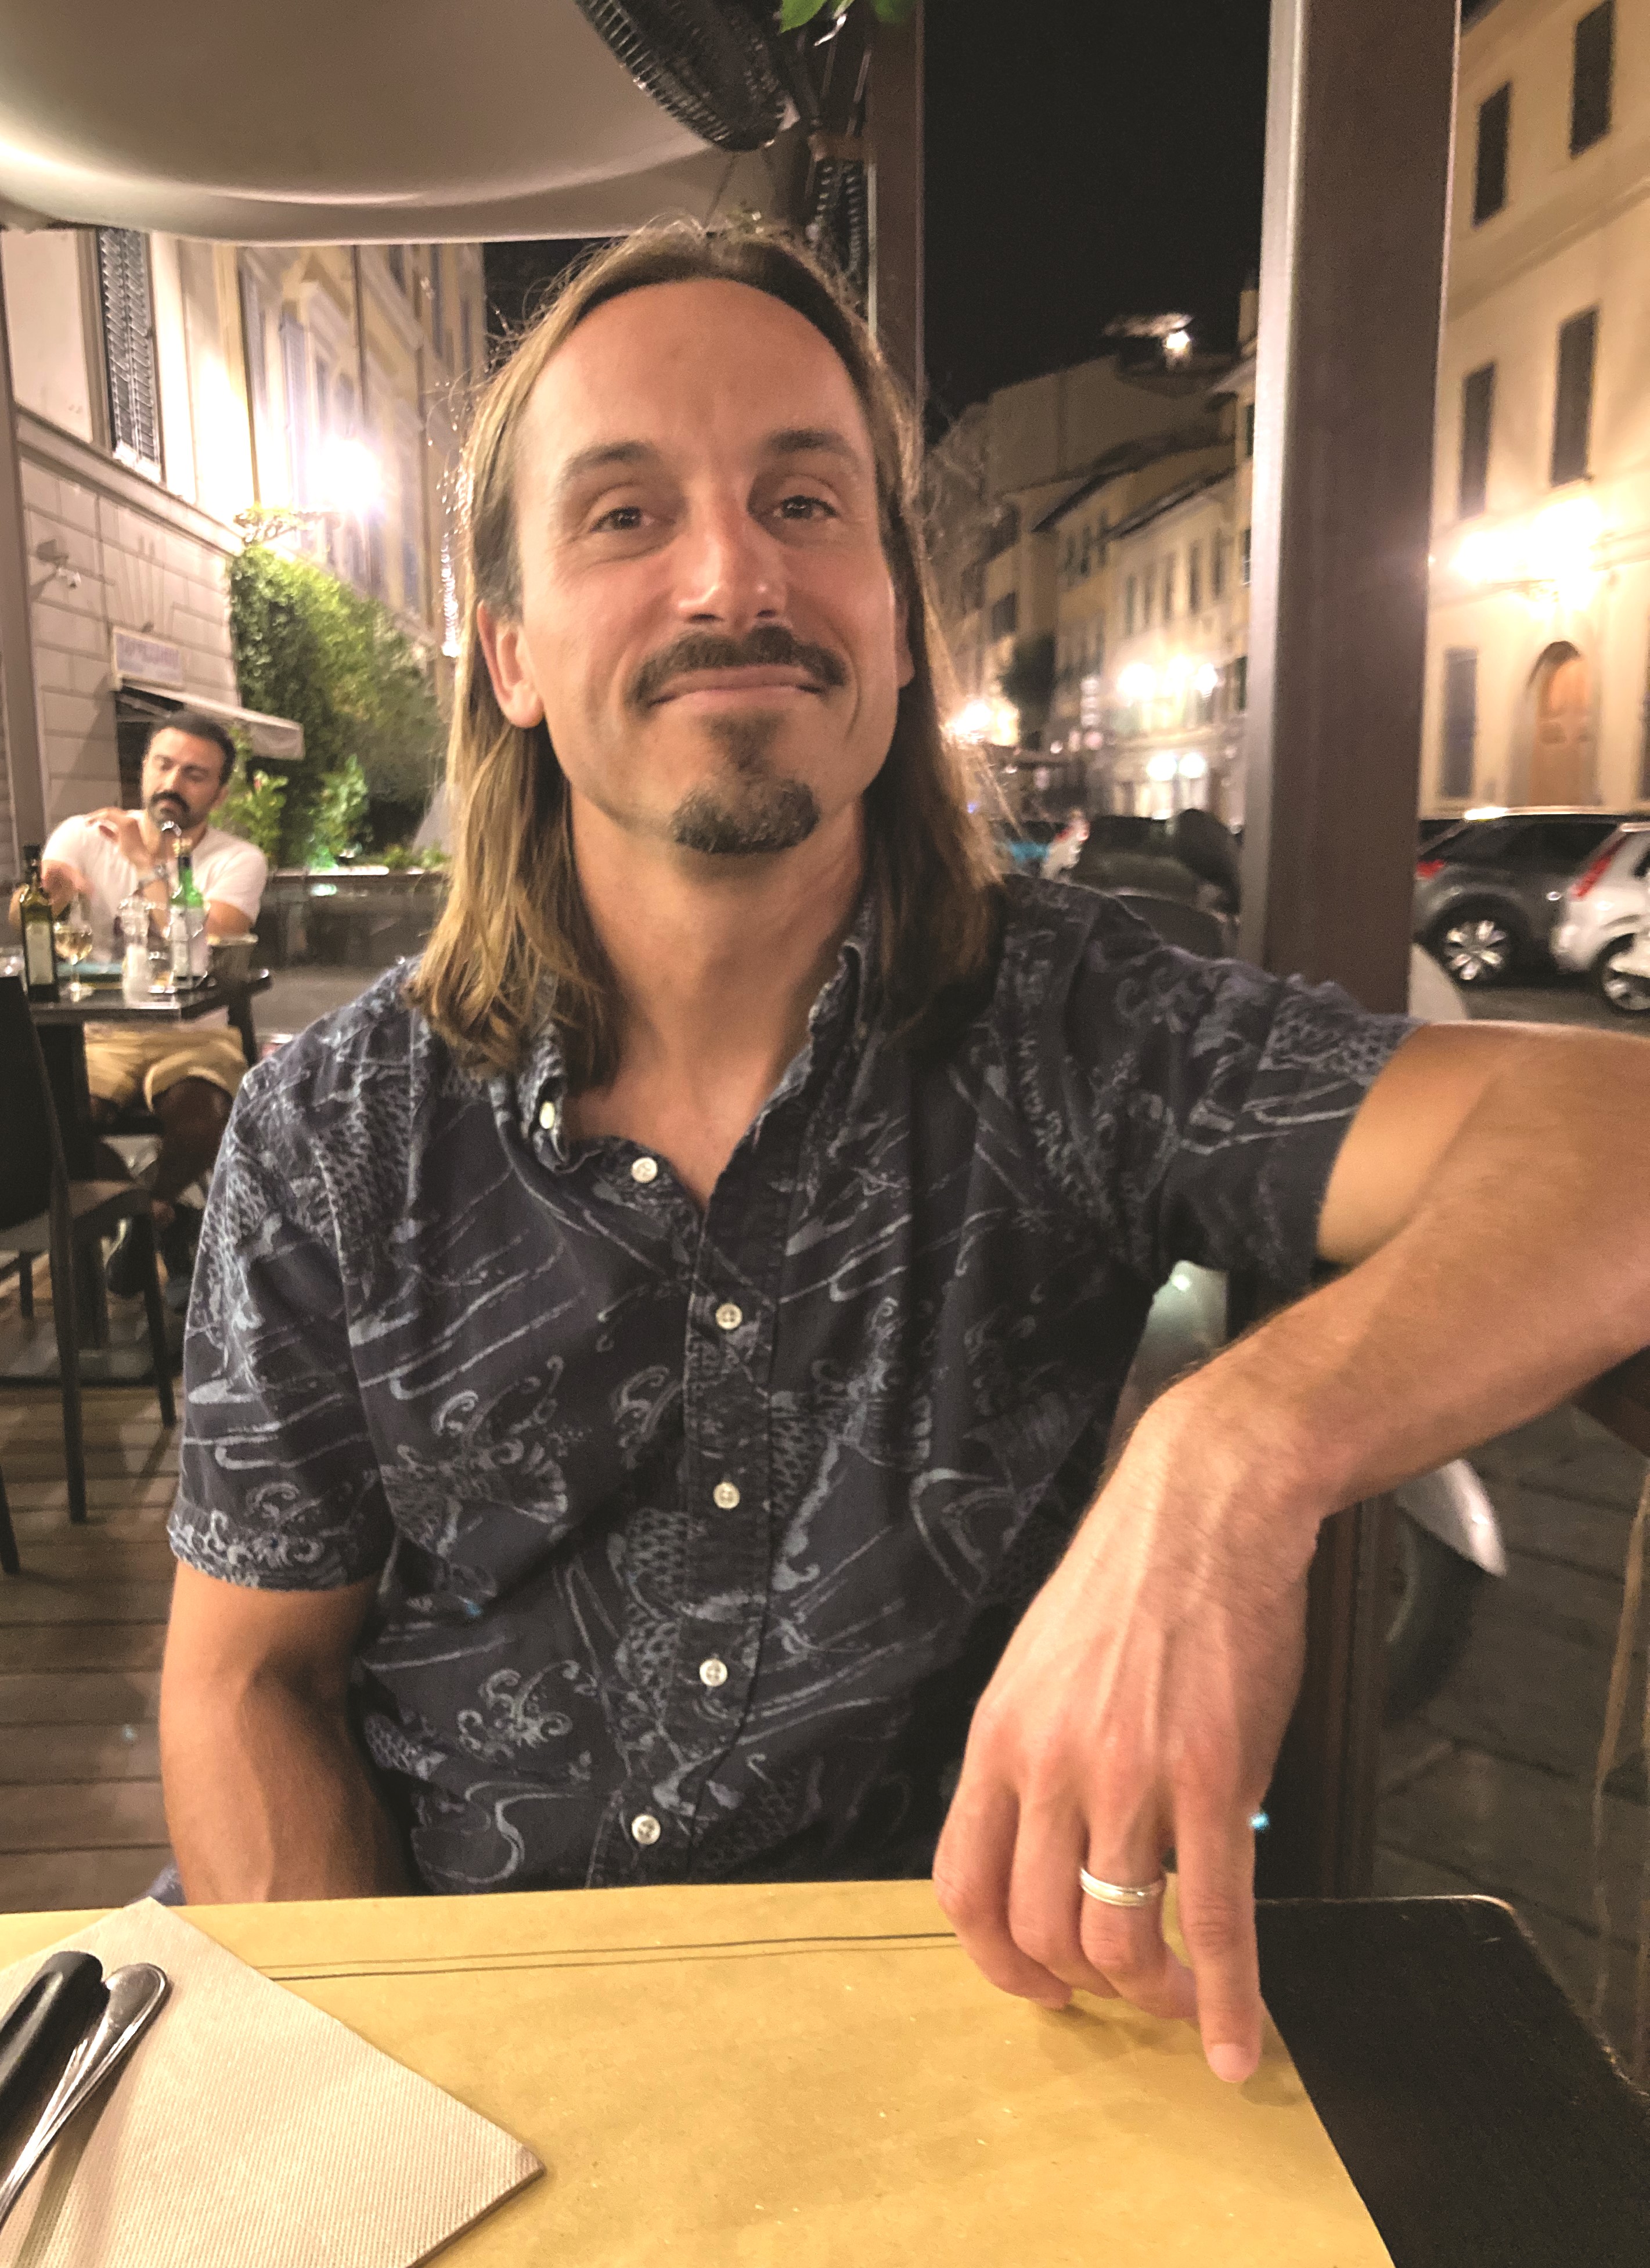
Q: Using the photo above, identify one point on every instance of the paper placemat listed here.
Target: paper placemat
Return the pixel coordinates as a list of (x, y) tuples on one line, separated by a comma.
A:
[(248, 2130)]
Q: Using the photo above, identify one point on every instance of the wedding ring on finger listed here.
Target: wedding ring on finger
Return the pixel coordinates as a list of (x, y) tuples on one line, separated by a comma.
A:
[(1122, 1894)]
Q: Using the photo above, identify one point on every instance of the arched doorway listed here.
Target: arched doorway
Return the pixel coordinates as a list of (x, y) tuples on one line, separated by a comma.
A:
[(1561, 747)]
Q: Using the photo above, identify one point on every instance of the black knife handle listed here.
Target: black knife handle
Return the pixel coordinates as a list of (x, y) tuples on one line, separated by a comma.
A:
[(43, 2027)]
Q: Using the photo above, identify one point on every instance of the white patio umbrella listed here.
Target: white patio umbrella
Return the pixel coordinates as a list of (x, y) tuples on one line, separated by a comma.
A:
[(341, 121)]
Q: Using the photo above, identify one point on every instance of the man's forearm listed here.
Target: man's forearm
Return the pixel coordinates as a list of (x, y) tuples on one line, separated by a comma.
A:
[(267, 1798), (1523, 1273)]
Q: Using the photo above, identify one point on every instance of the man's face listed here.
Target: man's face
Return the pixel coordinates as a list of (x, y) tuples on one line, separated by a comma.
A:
[(708, 625), (183, 779)]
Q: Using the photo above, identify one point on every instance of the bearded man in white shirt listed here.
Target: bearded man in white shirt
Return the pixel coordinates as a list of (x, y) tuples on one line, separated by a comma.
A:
[(187, 1075)]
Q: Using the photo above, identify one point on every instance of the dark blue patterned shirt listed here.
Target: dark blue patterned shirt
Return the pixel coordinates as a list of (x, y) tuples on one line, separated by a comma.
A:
[(699, 1534)]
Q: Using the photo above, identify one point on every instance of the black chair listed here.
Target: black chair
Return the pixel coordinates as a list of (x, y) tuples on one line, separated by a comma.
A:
[(41, 1211)]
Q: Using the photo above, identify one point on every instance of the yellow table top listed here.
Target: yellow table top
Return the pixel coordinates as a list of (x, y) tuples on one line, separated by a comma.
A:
[(811, 2075)]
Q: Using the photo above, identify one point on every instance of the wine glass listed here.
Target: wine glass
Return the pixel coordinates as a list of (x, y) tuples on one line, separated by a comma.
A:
[(75, 940)]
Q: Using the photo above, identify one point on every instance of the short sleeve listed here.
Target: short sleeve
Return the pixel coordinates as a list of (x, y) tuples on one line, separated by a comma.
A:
[(240, 878), (1196, 1107), (280, 1487), (66, 844)]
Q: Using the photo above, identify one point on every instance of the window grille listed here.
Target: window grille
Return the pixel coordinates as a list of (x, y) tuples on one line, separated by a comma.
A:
[(295, 379), (1572, 408), (1477, 410), (1592, 77), (1461, 721), (129, 346), (1488, 180)]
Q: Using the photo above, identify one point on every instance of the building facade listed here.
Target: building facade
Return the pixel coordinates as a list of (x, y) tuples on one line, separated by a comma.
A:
[(164, 387), (1128, 559), (1538, 663), (1008, 463)]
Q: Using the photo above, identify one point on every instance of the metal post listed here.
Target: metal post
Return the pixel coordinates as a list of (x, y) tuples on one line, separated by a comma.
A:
[(1361, 112), (17, 627), (895, 119)]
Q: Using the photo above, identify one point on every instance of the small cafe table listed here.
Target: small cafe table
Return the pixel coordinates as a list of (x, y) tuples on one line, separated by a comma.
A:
[(810, 2074)]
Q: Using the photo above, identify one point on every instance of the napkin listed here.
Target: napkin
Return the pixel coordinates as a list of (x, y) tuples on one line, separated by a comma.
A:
[(248, 2130)]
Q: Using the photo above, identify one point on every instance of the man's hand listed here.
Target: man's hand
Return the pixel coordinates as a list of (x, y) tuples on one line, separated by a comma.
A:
[(125, 830), (62, 879), (1138, 1708)]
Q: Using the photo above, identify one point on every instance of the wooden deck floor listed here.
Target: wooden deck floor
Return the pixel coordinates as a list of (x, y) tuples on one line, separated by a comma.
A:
[(81, 1631)]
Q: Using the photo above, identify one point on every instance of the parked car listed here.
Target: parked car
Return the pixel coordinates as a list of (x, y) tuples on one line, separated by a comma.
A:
[(1604, 910), (1487, 893)]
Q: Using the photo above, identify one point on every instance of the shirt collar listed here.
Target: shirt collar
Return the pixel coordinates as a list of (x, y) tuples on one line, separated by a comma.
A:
[(541, 1081)]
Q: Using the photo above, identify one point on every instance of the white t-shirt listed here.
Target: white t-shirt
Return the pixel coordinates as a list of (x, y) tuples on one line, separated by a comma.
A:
[(226, 869)]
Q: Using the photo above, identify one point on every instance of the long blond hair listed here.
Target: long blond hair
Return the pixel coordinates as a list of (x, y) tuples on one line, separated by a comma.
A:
[(515, 943)]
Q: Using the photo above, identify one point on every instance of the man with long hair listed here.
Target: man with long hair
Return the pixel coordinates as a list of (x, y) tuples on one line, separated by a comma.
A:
[(651, 1368)]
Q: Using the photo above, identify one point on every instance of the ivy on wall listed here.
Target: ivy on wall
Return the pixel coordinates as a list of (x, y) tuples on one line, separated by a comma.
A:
[(308, 647)]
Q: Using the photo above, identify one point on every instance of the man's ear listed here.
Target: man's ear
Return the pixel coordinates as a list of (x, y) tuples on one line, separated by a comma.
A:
[(906, 666), (515, 687)]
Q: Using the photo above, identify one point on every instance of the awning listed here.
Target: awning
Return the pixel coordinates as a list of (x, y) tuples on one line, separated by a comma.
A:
[(316, 123), (274, 739)]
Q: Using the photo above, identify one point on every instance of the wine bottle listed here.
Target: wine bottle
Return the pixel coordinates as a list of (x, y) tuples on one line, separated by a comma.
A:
[(190, 947), (39, 941)]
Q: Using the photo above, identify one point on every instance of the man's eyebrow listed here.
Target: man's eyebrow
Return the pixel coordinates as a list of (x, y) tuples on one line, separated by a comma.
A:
[(604, 456), (813, 440)]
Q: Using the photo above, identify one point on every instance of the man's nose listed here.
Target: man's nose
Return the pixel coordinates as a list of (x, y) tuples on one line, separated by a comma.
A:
[(732, 570)]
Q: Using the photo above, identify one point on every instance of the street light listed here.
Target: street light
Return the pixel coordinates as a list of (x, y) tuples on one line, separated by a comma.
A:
[(1556, 553), (351, 478), (352, 481)]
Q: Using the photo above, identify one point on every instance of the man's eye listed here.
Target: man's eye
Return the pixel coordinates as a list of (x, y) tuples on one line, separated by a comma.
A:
[(805, 508), (623, 519)]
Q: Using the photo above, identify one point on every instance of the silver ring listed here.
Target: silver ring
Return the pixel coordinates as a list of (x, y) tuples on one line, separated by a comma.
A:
[(1122, 1894)]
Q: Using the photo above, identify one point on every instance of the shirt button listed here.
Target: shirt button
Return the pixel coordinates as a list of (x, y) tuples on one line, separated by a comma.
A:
[(726, 1495), (713, 1672), (645, 1828), (547, 1117), (645, 1169), (728, 1316)]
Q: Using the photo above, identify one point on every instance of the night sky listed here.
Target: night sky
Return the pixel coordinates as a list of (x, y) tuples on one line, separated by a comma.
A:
[(1083, 161)]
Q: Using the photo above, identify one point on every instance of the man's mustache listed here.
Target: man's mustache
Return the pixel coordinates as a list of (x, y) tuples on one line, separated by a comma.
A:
[(769, 646)]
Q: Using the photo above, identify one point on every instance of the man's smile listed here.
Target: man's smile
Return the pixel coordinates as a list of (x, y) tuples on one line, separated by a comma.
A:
[(752, 683)]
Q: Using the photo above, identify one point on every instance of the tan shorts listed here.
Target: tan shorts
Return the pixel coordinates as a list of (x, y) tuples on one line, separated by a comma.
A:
[(124, 1059)]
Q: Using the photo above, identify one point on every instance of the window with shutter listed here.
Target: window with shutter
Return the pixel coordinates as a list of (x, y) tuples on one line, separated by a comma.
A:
[(1592, 77), (129, 346), (1461, 720), (1478, 405), (1488, 180), (295, 377), (1572, 408), (438, 301)]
